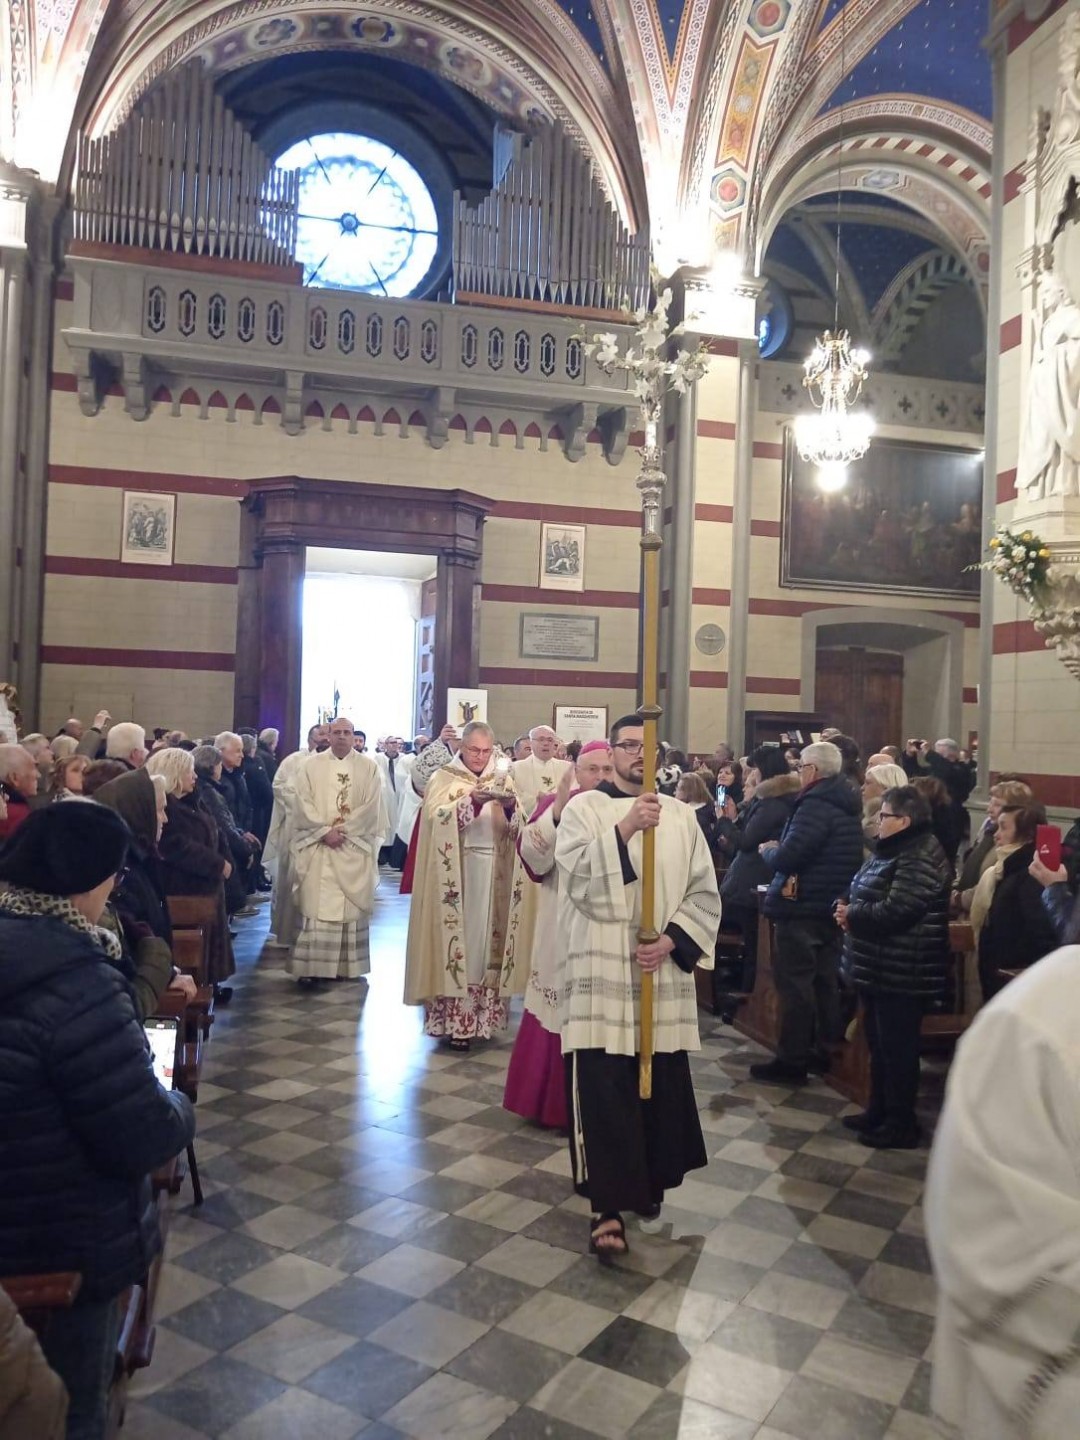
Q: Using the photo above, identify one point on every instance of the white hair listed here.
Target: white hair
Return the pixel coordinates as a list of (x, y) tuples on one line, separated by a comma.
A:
[(161, 787), (122, 739), (542, 730), (947, 746), (889, 777), (172, 766), (226, 738), (477, 727), (269, 737), (824, 756), (34, 744), (11, 757), (64, 746)]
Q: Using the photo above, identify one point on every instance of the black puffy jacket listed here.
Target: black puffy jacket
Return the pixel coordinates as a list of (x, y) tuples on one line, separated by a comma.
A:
[(898, 917), (822, 845), (83, 1121), (764, 819)]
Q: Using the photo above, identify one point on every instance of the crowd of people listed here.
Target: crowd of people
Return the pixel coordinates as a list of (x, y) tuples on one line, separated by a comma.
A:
[(524, 864)]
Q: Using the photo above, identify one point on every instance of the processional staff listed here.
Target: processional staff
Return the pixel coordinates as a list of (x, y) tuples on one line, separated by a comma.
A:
[(652, 372)]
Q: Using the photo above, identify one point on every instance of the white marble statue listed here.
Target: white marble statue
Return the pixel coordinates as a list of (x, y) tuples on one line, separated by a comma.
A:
[(1049, 461)]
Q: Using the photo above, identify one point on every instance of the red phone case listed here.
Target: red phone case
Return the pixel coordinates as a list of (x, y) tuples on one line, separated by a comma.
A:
[(1048, 845)]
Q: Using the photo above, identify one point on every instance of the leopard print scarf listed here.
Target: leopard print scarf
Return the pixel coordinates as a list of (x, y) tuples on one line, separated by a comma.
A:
[(24, 903)]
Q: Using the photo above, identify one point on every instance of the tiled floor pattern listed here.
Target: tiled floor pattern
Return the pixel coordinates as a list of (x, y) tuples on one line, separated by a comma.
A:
[(384, 1251)]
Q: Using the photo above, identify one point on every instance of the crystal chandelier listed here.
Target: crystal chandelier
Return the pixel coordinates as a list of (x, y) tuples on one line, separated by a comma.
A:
[(835, 434)]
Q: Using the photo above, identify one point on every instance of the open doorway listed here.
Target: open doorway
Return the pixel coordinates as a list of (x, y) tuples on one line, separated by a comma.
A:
[(374, 678), (284, 517)]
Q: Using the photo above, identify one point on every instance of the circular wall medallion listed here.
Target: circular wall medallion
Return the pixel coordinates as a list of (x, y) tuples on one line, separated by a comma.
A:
[(710, 639)]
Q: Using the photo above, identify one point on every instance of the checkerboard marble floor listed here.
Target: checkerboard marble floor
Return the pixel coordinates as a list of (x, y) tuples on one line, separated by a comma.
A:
[(384, 1251)]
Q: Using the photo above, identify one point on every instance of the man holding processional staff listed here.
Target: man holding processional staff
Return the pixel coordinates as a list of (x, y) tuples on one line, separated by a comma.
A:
[(627, 1151)]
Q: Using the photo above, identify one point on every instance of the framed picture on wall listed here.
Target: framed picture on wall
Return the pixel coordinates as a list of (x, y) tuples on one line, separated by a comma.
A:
[(148, 528), (580, 722), (908, 522), (562, 557)]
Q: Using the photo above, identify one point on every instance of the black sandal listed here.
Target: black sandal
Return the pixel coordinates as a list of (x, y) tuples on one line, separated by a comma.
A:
[(607, 1253), (460, 1045)]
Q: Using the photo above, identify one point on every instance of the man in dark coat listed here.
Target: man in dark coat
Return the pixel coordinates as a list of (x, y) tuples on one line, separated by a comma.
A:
[(84, 1120), (812, 865), (234, 787), (895, 954)]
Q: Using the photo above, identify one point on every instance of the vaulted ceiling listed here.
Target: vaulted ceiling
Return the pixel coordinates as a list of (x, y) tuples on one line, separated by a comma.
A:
[(708, 119)]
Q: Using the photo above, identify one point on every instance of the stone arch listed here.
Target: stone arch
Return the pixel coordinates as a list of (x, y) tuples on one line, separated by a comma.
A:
[(939, 708)]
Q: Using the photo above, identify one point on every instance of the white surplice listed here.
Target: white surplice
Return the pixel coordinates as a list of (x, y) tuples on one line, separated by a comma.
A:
[(396, 788), (1002, 1214), (599, 913), (335, 888)]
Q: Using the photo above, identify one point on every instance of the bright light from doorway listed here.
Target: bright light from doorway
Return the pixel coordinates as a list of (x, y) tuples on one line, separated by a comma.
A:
[(360, 641)]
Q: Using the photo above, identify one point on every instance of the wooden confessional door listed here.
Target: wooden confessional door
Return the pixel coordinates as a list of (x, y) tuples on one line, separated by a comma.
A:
[(862, 693), (425, 659)]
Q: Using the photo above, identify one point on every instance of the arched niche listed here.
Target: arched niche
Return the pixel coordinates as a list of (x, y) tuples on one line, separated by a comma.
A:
[(932, 646)]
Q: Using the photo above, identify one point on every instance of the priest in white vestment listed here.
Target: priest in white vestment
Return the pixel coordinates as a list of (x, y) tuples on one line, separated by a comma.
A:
[(394, 770), (541, 772), (535, 1079), (625, 1151), (1002, 1214), (277, 857), (461, 962), (339, 819)]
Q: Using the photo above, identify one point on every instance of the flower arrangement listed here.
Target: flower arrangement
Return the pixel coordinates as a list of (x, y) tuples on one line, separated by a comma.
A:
[(1021, 560)]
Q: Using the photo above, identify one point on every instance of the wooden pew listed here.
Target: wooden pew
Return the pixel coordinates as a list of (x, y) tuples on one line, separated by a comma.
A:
[(849, 1070)]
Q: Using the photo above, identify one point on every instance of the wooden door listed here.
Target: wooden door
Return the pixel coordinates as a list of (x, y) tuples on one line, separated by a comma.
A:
[(862, 693), (425, 659)]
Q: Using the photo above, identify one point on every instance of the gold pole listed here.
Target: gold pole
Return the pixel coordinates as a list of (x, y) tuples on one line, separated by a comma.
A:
[(650, 712)]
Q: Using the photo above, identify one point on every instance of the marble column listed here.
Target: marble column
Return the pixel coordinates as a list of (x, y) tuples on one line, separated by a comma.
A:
[(34, 506), (17, 189), (680, 575), (742, 500)]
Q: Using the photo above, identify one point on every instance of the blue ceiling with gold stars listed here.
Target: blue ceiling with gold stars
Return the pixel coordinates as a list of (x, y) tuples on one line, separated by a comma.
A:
[(581, 13), (669, 13), (934, 50)]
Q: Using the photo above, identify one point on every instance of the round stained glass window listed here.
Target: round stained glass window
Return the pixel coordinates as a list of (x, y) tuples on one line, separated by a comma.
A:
[(366, 219)]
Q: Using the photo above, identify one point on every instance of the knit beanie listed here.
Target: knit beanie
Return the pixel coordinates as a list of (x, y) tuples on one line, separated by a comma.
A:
[(65, 849)]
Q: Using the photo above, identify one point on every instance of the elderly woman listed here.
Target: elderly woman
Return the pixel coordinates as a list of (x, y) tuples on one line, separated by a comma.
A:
[(896, 943), (208, 788), (877, 780), (85, 1121), (1012, 927), (194, 856)]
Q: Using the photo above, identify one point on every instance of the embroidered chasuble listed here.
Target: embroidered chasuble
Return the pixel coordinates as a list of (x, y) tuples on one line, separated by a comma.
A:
[(536, 847), (277, 857), (335, 888), (461, 958), (534, 778)]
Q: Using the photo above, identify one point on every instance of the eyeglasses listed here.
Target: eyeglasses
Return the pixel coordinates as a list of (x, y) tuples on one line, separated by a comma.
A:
[(631, 747), (808, 765), (888, 815)]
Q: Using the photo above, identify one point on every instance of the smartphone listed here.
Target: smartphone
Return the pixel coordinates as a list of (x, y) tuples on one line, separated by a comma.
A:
[(721, 795), (1048, 845)]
